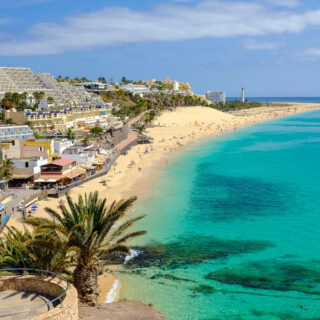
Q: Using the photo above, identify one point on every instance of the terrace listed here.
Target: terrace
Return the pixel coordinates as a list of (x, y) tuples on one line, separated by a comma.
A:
[(30, 294)]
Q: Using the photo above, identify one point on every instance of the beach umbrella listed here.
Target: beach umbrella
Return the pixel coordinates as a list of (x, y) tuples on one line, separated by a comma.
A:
[(34, 207)]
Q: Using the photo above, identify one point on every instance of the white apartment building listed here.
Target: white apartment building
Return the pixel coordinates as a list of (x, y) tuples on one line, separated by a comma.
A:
[(25, 80), (15, 132), (216, 97)]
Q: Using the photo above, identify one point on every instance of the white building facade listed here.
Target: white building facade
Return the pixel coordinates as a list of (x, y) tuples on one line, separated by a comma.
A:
[(216, 97)]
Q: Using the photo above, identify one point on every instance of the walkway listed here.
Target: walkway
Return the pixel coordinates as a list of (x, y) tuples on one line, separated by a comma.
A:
[(15, 301)]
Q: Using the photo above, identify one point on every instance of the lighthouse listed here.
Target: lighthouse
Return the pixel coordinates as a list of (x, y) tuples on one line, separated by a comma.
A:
[(243, 98)]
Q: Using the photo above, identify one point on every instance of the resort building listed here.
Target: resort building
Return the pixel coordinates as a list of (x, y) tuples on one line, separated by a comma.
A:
[(135, 88), (25, 80), (9, 132), (26, 170), (61, 171), (94, 86), (9, 149), (60, 145), (39, 151), (216, 97), (60, 120), (82, 155), (46, 145), (175, 85)]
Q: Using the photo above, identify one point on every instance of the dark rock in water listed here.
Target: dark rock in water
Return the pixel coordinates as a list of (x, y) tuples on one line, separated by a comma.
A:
[(205, 289), (280, 315), (192, 250), (243, 198), (169, 277), (272, 275)]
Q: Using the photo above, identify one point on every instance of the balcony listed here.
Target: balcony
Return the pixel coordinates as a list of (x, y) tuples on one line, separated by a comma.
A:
[(32, 294)]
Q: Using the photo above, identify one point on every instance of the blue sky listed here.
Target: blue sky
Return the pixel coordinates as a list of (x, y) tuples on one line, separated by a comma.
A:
[(271, 47)]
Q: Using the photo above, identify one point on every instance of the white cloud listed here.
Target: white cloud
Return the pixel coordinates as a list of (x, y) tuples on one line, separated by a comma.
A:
[(310, 54), (264, 45), (171, 22)]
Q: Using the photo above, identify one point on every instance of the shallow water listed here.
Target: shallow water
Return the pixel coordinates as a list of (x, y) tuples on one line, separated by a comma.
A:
[(236, 219)]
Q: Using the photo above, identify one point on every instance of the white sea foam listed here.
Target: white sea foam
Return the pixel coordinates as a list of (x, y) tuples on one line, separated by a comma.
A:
[(112, 294), (132, 254)]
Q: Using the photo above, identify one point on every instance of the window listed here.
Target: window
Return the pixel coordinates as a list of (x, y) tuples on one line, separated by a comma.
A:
[(27, 164)]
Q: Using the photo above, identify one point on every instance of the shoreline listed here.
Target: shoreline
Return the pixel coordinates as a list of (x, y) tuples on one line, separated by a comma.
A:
[(136, 172)]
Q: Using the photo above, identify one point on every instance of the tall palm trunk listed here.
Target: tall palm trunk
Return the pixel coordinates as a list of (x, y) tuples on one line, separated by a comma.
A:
[(86, 282)]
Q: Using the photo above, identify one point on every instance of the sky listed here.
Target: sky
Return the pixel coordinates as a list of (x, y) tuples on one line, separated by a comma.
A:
[(271, 47)]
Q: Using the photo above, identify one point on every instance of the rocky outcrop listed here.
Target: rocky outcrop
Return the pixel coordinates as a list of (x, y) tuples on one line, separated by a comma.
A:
[(123, 310)]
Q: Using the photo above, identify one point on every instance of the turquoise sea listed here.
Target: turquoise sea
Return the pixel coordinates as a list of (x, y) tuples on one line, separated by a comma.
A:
[(237, 219)]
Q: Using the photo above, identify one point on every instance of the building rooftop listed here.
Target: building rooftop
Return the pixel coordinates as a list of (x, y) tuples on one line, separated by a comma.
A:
[(63, 162)]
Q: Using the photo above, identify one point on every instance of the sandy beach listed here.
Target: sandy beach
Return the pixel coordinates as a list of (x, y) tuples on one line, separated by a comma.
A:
[(134, 173)]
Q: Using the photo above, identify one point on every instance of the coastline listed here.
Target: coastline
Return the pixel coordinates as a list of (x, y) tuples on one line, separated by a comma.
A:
[(173, 132)]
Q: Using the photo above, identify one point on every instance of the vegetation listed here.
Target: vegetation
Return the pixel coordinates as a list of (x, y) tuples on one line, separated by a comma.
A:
[(140, 128), (70, 134), (87, 233), (8, 121), (133, 105), (38, 96), (24, 249), (6, 166), (235, 105), (12, 100), (50, 100), (96, 130), (78, 80), (37, 136)]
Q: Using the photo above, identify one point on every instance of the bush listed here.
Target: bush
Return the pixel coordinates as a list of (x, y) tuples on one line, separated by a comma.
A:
[(96, 130)]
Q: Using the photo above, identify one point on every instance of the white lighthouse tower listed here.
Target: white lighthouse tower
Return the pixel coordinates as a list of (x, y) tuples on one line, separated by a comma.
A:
[(243, 98)]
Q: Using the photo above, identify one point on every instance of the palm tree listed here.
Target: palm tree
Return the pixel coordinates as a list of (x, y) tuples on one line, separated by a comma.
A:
[(38, 96), (91, 230), (70, 134), (50, 100), (24, 249), (6, 167)]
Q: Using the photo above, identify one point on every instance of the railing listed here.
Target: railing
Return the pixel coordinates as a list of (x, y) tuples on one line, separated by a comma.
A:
[(38, 273)]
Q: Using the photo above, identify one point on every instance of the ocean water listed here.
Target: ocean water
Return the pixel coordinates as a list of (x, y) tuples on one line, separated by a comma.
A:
[(280, 99), (236, 219)]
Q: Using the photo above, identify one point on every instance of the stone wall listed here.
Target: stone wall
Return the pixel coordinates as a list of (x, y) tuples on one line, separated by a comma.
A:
[(66, 310)]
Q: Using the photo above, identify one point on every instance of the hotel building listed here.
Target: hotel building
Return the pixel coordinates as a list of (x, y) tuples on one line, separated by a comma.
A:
[(61, 120), (216, 97)]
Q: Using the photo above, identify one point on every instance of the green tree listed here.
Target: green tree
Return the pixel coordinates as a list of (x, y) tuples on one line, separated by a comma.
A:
[(9, 121), (96, 130), (25, 249), (102, 80), (70, 134), (38, 96), (50, 100), (6, 167), (22, 105), (94, 232)]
